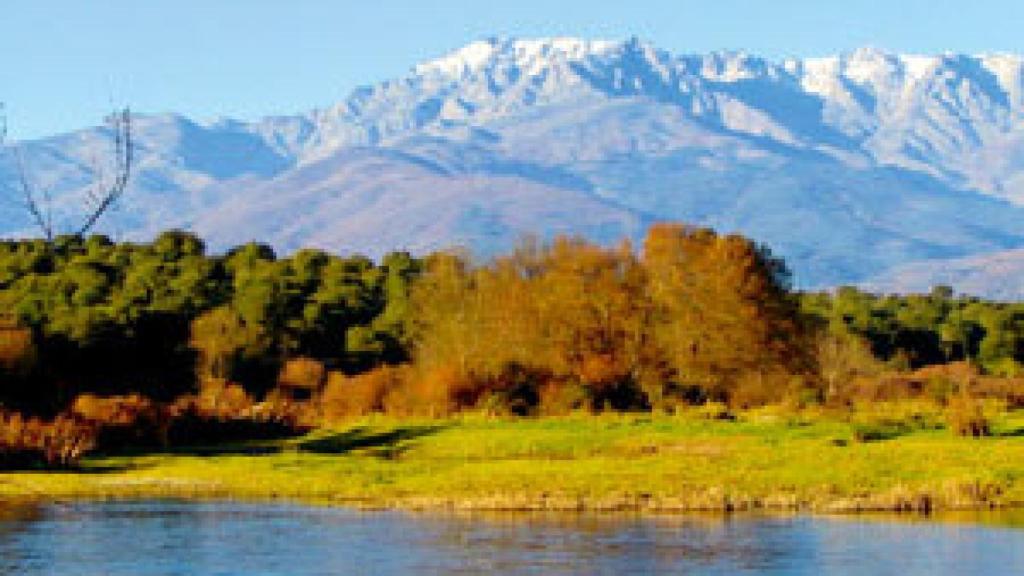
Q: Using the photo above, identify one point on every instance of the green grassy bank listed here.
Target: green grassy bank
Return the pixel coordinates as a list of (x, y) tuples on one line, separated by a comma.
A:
[(761, 460)]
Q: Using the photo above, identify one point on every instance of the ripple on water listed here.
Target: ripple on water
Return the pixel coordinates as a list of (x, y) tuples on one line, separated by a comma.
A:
[(157, 538)]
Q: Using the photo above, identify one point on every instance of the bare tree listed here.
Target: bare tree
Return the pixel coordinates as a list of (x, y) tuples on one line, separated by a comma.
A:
[(107, 189)]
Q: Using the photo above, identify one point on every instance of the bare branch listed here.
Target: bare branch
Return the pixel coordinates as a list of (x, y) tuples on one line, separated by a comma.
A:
[(43, 220), (104, 196), (99, 199)]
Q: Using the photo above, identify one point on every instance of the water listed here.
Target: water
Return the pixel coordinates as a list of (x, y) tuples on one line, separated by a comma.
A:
[(163, 538)]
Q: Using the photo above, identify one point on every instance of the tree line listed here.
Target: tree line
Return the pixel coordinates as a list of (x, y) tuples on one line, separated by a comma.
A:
[(98, 331), (90, 316)]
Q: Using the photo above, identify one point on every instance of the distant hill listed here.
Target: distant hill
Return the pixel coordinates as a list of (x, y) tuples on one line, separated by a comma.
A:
[(998, 275), (853, 167)]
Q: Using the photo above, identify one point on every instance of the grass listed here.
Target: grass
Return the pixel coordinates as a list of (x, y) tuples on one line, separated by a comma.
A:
[(762, 460)]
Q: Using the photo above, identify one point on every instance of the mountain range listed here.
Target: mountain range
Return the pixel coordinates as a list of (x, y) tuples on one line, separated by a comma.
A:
[(888, 170)]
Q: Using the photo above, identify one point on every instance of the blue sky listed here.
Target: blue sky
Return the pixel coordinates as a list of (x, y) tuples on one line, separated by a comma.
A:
[(62, 63)]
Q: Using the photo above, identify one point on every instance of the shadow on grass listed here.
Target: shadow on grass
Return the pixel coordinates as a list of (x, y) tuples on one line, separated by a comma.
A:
[(1017, 432), (879, 431), (194, 436), (82, 468), (226, 449), (106, 468), (387, 444), (390, 443)]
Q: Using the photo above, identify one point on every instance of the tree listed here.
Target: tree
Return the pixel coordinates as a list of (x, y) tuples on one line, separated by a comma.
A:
[(17, 348), (106, 190), (959, 336), (842, 357), (722, 313), (1000, 347), (221, 337)]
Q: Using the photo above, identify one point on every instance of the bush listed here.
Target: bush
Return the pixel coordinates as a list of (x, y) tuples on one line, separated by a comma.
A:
[(17, 349), (561, 398), (1007, 390), (715, 411), (114, 410), (190, 426), (762, 389), (434, 393), (225, 414), (966, 417), (33, 443), (512, 391), (222, 399), (122, 421), (1005, 368), (940, 388), (347, 397), (302, 373)]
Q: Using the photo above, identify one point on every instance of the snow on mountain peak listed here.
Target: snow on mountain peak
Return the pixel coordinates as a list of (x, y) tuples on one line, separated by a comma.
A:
[(526, 54), (469, 57), (847, 164)]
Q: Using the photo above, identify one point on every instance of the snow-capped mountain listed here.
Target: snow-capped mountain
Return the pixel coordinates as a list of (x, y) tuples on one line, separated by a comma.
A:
[(847, 165)]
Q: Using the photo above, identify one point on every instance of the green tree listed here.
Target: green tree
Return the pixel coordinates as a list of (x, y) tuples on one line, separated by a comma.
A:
[(223, 338)]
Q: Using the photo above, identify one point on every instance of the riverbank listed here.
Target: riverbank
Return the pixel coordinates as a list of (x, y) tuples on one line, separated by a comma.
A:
[(763, 460)]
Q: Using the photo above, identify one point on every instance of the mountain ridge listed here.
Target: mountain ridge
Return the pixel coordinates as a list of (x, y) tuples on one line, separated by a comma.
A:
[(847, 165)]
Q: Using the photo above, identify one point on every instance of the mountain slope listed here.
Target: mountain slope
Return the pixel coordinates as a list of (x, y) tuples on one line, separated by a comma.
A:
[(847, 166), (998, 275)]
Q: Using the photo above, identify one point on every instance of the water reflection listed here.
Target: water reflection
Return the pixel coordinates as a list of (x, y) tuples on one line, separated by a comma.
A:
[(233, 538)]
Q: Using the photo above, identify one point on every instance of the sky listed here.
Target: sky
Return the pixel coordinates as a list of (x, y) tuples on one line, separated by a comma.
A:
[(64, 64)]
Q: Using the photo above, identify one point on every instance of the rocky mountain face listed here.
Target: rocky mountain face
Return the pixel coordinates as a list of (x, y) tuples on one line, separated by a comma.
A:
[(854, 167)]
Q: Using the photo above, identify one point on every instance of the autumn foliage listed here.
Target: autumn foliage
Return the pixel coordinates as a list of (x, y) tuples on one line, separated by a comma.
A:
[(570, 325), (352, 396), (17, 349), (110, 345), (696, 314), (30, 442)]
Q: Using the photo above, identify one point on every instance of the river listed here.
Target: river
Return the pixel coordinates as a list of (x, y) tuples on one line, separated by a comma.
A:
[(165, 538)]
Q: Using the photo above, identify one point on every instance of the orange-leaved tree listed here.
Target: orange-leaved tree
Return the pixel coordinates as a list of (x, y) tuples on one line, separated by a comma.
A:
[(722, 317)]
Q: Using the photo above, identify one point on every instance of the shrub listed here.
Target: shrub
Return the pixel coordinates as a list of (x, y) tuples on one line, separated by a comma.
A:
[(17, 349), (223, 399), (884, 420), (223, 412), (1008, 390), (190, 426), (715, 411), (512, 391), (114, 410), (346, 397), (913, 414), (302, 373), (33, 443), (558, 398), (940, 388), (966, 417), (761, 389), (66, 440), (435, 393), (122, 421), (1004, 367)]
